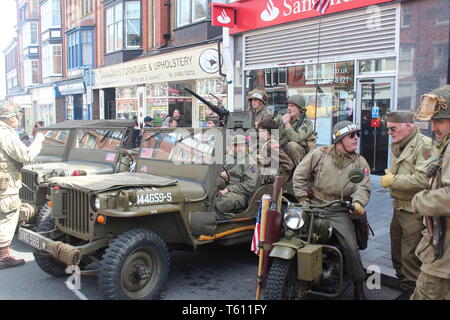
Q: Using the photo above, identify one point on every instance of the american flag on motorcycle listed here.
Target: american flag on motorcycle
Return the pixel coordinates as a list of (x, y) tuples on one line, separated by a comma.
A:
[(322, 5), (257, 233)]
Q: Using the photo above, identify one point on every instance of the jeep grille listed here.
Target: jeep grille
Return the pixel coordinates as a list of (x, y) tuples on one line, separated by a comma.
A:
[(76, 212), (29, 186)]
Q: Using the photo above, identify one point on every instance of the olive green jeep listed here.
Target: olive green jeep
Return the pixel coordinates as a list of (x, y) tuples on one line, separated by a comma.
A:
[(74, 147), (126, 223)]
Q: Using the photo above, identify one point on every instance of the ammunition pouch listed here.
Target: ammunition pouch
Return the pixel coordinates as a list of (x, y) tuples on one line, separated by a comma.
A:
[(26, 212)]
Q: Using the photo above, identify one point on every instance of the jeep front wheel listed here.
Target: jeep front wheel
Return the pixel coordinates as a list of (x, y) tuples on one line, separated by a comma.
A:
[(134, 266)]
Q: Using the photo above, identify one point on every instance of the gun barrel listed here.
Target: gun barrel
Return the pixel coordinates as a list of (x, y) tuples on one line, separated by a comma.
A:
[(221, 112)]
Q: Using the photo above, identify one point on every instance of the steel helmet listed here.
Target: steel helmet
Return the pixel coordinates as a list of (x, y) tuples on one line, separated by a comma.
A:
[(9, 110), (298, 100), (343, 128), (259, 95), (435, 105)]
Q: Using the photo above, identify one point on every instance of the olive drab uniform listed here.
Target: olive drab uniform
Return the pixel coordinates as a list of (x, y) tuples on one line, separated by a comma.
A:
[(12, 154), (410, 158), (273, 161), (298, 140), (328, 170), (261, 113), (243, 181), (434, 279)]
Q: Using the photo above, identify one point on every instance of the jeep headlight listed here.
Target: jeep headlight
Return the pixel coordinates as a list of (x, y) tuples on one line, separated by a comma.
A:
[(95, 203), (293, 218)]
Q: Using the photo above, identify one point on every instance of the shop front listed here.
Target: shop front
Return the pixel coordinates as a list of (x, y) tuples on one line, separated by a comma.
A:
[(75, 99), (344, 63), (43, 100), (26, 104), (155, 86)]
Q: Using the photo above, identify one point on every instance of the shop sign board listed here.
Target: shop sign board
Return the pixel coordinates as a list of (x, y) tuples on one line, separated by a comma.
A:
[(192, 64), (256, 14)]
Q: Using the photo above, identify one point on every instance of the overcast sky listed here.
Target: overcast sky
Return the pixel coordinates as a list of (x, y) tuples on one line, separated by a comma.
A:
[(8, 21)]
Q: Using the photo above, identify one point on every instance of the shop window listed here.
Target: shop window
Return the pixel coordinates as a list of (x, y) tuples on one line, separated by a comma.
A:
[(190, 11), (126, 102), (50, 14), (80, 51), (377, 66)]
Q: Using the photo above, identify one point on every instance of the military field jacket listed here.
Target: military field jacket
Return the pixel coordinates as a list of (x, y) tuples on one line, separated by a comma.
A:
[(273, 161), (244, 178), (12, 147), (319, 168), (290, 134), (435, 202), (261, 114), (409, 170)]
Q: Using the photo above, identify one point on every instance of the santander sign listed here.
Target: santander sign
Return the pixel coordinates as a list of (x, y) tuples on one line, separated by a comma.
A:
[(255, 14)]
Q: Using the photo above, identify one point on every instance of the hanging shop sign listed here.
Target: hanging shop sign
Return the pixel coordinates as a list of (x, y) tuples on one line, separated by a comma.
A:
[(196, 63), (222, 16), (256, 14)]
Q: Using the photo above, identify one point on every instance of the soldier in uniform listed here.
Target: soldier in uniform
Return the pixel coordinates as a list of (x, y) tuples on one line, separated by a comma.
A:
[(272, 160), (258, 100), (411, 152), (433, 204), (237, 181), (328, 169), (12, 154), (297, 135)]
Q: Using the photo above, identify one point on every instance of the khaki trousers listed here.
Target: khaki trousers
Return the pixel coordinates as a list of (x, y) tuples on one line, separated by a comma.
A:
[(229, 203), (429, 287), (8, 225), (405, 234)]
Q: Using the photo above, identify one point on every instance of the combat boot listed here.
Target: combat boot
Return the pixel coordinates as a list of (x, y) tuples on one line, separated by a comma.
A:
[(358, 294), (6, 261)]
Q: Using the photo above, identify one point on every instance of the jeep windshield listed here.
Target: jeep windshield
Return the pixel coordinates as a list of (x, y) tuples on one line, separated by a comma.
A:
[(99, 139), (179, 146), (55, 138)]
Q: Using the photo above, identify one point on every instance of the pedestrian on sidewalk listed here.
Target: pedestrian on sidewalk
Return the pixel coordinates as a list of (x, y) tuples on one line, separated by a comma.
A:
[(411, 152), (433, 250)]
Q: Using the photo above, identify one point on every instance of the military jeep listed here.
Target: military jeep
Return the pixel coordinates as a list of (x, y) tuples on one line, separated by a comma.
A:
[(127, 222), (75, 147)]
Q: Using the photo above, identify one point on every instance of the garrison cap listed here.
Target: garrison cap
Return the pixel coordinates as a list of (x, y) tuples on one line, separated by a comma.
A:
[(400, 116)]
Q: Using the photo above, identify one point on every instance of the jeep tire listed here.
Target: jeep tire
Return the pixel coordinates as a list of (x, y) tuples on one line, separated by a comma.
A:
[(134, 266)]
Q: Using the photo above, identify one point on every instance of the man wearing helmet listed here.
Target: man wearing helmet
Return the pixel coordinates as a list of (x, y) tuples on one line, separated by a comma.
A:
[(12, 154), (258, 100), (411, 151), (297, 135), (328, 168), (433, 250)]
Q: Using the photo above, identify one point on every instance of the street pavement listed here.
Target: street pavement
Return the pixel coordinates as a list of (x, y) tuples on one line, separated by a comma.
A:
[(379, 213)]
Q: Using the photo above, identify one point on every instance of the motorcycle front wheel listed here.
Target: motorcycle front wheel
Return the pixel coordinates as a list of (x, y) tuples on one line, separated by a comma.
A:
[(282, 282)]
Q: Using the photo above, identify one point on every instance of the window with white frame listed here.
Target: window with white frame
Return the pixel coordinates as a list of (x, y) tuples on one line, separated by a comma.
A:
[(406, 17), (190, 11), (114, 28), (133, 23), (51, 60), (50, 14), (406, 60), (30, 34), (440, 55), (31, 72)]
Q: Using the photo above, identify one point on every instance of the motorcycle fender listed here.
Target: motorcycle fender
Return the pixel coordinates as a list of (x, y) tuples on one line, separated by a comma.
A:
[(283, 250)]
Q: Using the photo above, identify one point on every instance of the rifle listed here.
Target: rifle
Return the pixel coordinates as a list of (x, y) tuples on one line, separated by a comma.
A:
[(221, 112)]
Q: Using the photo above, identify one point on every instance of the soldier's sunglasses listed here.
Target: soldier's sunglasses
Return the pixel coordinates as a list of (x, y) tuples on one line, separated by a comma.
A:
[(353, 134)]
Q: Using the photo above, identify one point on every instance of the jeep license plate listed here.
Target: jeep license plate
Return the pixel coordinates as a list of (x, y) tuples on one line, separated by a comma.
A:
[(29, 238)]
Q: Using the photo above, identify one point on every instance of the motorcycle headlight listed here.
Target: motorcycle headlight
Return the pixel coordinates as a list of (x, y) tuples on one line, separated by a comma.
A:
[(293, 218)]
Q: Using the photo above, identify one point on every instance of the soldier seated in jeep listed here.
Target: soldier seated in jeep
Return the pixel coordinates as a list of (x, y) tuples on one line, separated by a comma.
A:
[(237, 181)]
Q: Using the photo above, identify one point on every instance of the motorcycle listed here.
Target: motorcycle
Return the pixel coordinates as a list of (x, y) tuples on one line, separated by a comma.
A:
[(308, 259)]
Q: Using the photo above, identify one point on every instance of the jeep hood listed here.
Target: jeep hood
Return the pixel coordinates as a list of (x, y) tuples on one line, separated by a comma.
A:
[(91, 168), (113, 181)]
